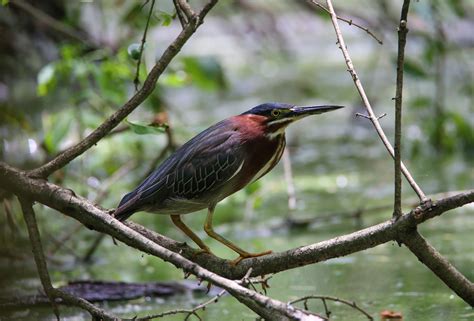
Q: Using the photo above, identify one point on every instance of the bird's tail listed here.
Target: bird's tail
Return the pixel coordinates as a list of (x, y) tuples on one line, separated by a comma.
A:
[(127, 206), (122, 213)]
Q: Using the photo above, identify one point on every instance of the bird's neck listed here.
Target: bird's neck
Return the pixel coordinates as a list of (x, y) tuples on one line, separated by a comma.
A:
[(255, 126)]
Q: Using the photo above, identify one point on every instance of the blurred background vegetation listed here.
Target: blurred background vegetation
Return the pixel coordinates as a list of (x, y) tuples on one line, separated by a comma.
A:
[(67, 65)]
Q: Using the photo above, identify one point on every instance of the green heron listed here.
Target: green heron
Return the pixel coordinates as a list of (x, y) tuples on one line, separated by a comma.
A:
[(215, 164)]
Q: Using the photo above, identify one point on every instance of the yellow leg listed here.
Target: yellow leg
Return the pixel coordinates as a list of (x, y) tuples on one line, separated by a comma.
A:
[(210, 231), (180, 224)]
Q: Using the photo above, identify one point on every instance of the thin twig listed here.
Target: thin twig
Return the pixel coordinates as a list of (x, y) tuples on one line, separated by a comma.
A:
[(363, 95), (136, 80), (352, 304), (173, 49), (188, 11), (179, 13), (402, 40), (349, 22), (188, 312), (37, 248), (55, 296)]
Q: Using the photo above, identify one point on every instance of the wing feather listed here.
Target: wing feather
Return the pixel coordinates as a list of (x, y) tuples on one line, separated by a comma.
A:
[(197, 169)]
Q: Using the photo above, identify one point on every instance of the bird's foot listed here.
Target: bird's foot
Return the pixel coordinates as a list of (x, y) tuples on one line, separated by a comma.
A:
[(246, 255), (203, 250)]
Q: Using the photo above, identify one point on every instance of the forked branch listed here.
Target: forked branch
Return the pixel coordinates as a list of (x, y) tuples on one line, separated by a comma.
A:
[(149, 84), (373, 118)]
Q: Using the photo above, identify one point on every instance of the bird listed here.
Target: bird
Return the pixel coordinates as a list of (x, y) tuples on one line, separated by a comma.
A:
[(214, 164)]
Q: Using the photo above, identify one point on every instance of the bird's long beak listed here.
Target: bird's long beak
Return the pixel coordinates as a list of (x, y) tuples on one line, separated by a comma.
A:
[(299, 111)]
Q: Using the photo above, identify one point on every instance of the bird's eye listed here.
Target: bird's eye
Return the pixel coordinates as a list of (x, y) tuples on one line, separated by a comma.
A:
[(275, 113)]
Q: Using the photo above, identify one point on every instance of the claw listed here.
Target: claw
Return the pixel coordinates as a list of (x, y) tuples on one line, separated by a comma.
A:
[(246, 255), (201, 251)]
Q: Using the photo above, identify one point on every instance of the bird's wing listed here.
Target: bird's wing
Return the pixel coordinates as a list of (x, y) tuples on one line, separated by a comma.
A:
[(203, 164)]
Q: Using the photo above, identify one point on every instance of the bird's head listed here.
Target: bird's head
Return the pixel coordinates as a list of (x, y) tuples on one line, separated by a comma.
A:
[(275, 117)]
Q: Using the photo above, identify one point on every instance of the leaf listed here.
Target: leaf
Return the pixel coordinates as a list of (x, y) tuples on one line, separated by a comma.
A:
[(56, 128), (176, 79), (205, 72), (146, 129), (253, 188), (164, 18), (5, 2), (46, 80)]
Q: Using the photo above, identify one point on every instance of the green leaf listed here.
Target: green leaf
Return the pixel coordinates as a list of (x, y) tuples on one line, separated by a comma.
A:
[(46, 80), (253, 188), (56, 127), (205, 72), (5, 2), (146, 129), (176, 79), (164, 18)]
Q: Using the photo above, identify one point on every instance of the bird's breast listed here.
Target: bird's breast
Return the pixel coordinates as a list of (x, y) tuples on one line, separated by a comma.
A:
[(262, 155)]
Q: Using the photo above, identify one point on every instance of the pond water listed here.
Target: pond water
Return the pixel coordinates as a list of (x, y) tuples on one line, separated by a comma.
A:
[(339, 165), (387, 277)]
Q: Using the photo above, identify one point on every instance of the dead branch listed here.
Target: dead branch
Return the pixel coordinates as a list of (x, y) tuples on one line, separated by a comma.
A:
[(325, 298), (349, 22), (136, 80), (148, 241), (149, 84), (367, 105), (430, 257), (402, 40)]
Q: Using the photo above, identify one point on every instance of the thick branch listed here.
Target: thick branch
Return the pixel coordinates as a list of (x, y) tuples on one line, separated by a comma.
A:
[(402, 40), (90, 215), (363, 95), (430, 257), (71, 153), (66, 202)]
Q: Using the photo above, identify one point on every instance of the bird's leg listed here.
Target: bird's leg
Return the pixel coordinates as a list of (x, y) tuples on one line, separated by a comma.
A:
[(180, 224), (210, 231)]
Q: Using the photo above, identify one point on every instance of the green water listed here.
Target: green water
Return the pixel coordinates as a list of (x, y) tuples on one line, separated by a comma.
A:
[(338, 162), (387, 277)]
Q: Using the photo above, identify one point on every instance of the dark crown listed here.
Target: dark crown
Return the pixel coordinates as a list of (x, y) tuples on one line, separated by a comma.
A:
[(265, 109)]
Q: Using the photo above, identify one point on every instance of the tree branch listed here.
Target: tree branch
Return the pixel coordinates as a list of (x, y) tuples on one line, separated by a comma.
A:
[(430, 257), (37, 249), (82, 210), (323, 298), (55, 296), (349, 22), (71, 153), (136, 80), (66, 202), (402, 40), (363, 95)]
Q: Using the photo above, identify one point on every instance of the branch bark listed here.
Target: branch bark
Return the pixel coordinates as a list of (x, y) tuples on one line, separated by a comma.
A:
[(38, 254), (71, 153), (430, 257), (141, 238), (402, 40), (66, 202), (367, 104)]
